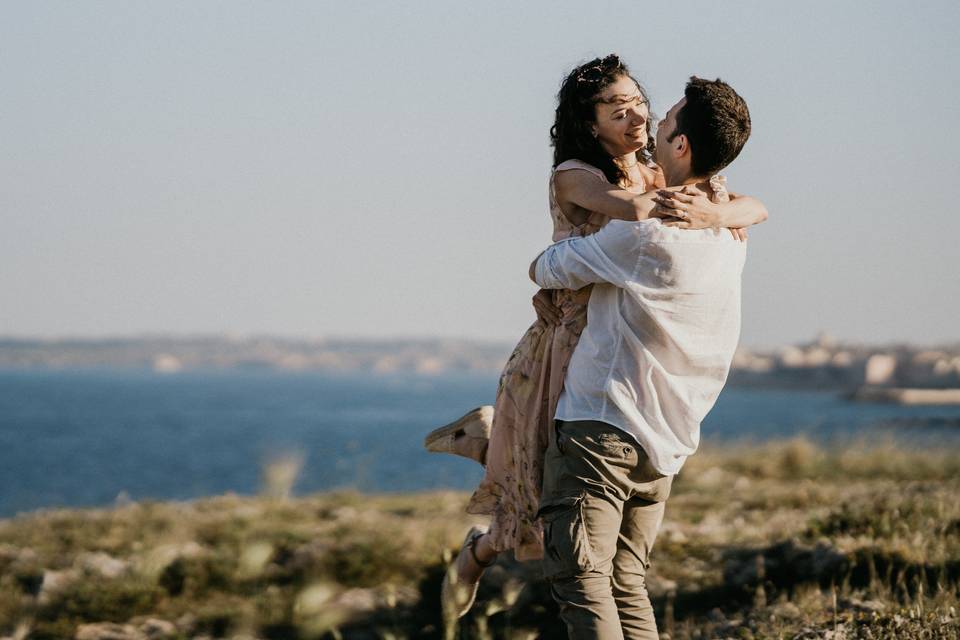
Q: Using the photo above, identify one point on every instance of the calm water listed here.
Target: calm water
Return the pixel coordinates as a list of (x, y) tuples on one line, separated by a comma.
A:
[(80, 438)]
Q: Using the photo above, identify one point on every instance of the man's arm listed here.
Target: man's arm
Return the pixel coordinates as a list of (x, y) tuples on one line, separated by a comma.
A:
[(533, 268), (606, 256)]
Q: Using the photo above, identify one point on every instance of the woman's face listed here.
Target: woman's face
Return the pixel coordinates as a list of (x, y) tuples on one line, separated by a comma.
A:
[(622, 113)]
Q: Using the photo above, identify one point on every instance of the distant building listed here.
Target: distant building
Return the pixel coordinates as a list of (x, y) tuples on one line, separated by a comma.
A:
[(166, 363), (880, 369)]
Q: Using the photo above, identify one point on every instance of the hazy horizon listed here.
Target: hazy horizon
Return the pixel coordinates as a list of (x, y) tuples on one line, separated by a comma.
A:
[(413, 338), (380, 171)]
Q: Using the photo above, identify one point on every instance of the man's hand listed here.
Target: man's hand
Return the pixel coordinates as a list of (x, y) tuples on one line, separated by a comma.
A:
[(546, 310)]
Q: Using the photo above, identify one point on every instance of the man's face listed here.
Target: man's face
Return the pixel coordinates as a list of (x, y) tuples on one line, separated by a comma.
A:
[(622, 113), (665, 128)]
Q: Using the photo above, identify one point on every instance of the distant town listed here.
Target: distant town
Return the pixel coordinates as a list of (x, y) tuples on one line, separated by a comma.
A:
[(823, 363)]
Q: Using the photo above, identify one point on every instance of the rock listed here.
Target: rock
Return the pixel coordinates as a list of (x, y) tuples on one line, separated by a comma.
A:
[(313, 599), (717, 616), (321, 606), (253, 558), (345, 512), (155, 628), (787, 611), (108, 631), (314, 609), (18, 557), (305, 557), (661, 586), (55, 582), (674, 534), (356, 601), (187, 623), (156, 560), (9, 552), (102, 563), (865, 606)]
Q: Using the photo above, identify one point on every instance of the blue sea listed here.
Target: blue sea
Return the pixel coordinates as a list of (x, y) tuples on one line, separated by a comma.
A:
[(81, 438)]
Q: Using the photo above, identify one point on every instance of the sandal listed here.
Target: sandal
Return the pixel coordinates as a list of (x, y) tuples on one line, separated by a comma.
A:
[(467, 436)]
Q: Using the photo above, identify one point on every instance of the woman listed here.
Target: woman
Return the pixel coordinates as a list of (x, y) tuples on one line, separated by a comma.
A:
[(602, 170)]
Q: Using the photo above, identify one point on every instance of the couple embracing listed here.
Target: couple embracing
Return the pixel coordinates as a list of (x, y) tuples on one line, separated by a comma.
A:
[(638, 319)]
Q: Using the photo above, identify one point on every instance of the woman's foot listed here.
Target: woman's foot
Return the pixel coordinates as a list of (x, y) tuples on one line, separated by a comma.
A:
[(460, 583), (467, 436)]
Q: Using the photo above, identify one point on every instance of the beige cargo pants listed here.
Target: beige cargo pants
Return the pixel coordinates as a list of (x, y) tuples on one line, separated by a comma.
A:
[(602, 506)]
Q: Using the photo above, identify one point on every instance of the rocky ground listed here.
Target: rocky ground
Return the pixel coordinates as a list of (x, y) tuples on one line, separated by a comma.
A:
[(779, 541)]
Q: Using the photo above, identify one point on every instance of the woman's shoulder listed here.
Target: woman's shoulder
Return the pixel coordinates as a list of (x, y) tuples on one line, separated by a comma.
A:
[(563, 179), (573, 163)]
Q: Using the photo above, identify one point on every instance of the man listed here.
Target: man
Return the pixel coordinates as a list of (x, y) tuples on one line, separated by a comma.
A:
[(664, 320)]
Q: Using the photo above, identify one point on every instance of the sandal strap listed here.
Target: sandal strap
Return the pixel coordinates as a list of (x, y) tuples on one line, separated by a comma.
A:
[(472, 547)]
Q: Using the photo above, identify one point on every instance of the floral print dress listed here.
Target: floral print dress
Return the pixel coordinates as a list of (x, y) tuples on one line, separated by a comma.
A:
[(527, 396)]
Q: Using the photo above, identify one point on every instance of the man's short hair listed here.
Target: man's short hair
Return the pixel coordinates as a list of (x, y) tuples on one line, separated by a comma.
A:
[(716, 121)]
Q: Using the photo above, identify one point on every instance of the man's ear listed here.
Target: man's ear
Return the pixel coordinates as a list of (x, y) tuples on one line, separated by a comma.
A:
[(681, 145)]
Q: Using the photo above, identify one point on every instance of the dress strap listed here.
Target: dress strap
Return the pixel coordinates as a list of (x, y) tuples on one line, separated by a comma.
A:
[(718, 184)]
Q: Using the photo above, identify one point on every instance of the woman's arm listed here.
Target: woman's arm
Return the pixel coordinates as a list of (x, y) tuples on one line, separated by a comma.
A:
[(742, 211), (579, 192)]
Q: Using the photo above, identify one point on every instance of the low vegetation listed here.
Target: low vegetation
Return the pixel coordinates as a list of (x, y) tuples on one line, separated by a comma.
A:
[(785, 540)]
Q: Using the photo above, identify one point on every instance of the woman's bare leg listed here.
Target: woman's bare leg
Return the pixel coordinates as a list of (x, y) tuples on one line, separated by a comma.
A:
[(469, 571)]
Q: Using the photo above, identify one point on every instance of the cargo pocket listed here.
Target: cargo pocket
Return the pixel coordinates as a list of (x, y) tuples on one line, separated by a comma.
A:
[(566, 549)]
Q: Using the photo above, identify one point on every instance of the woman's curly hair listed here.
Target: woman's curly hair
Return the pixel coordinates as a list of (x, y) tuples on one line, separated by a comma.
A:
[(571, 134)]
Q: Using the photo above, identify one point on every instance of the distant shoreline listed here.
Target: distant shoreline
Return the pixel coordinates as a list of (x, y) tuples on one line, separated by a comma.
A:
[(823, 364)]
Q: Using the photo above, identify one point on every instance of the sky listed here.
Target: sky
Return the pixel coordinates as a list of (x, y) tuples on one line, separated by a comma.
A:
[(379, 169)]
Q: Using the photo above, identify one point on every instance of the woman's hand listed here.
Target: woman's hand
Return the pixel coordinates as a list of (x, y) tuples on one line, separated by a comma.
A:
[(546, 310), (692, 208)]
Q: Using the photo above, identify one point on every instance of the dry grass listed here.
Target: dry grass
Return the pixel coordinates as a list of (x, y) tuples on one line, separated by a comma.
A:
[(784, 540)]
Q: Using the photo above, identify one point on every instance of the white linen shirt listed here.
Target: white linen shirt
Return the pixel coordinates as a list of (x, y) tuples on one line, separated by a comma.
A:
[(663, 323)]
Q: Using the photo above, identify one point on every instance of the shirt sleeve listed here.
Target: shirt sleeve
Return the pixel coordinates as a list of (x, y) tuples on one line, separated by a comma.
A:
[(610, 255)]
